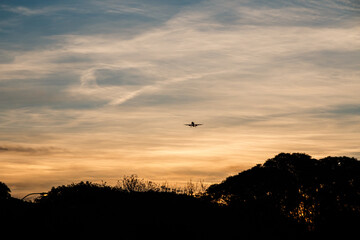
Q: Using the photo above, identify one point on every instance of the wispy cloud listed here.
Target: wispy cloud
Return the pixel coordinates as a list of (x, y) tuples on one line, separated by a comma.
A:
[(30, 150), (195, 46), (24, 10), (27, 11)]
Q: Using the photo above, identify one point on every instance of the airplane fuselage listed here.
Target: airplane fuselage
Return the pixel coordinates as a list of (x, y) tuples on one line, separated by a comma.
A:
[(192, 124)]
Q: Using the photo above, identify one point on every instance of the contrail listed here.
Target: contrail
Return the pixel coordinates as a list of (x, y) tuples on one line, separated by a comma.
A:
[(89, 85)]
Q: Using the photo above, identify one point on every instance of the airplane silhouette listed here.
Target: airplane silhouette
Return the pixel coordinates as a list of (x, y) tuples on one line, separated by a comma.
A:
[(192, 124)]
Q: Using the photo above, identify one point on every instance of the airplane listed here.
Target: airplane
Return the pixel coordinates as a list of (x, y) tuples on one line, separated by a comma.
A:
[(192, 124)]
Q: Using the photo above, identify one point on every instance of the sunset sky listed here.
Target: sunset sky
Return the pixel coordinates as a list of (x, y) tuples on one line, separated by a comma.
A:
[(98, 89)]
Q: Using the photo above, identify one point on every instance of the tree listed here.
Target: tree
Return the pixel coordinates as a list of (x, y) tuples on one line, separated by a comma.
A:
[(4, 191), (277, 180), (320, 194)]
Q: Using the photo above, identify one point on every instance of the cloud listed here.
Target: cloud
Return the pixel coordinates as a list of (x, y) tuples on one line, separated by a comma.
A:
[(3, 149), (193, 47), (346, 111), (30, 150), (246, 63), (33, 11), (23, 10)]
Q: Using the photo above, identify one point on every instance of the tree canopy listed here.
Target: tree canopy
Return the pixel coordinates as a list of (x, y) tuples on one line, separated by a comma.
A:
[(289, 195), (315, 193), (4, 191)]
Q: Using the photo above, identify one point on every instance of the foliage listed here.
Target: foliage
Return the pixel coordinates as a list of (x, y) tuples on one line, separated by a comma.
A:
[(133, 183), (290, 195), (314, 193), (4, 191)]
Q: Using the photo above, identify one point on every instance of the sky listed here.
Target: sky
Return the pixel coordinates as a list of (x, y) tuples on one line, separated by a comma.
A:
[(94, 90)]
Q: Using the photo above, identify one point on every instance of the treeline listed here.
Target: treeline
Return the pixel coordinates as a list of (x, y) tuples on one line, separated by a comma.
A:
[(291, 196)]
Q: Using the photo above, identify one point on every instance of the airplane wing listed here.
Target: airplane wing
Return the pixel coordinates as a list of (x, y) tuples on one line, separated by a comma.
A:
[(187, 124), (198, 124)]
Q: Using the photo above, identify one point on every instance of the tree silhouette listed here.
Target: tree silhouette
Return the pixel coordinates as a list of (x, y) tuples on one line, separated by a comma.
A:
[(289, 196), (4, 191), (317, 194), (129, 208)]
